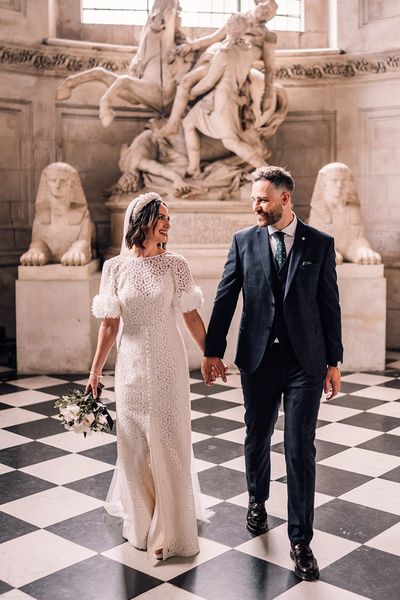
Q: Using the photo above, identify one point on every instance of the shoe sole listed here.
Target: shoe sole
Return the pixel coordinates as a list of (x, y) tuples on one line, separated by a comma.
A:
[(255, 531), (302, 576)]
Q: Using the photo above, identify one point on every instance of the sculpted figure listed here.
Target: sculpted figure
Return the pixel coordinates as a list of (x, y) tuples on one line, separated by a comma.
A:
[(62, 228), (335, 209)]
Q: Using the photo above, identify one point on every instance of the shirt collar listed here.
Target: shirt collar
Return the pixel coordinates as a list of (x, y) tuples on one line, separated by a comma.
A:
[(288, 230)]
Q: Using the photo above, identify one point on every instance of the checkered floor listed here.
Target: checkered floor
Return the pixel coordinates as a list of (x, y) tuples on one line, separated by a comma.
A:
[(58, 543)]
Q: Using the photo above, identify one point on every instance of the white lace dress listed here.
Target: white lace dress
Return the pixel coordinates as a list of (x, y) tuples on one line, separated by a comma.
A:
[(152, 487)]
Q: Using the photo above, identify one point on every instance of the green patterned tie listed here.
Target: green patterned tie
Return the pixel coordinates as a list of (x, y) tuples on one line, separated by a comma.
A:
[(280, 254)]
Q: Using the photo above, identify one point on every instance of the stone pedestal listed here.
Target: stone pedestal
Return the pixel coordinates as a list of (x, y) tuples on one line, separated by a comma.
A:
[(362, 291), (56, 332), (392, 274)]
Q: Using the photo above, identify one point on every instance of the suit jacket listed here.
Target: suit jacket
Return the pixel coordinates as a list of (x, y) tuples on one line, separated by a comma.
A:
[(311, 301)]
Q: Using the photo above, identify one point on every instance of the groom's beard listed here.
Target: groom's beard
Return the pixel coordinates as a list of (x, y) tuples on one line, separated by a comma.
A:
[(269, 217)]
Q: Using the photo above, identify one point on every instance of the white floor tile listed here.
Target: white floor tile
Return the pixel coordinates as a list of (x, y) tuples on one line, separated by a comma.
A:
[(338, 395), (394, 365), (9, 439), (16, 595), (235, 395), (65, 469), (208, 501), (377, 392), (387, 541), (36, 382), (36, 555), (274, 547), (348, 435), (106, 380), (389, 409), (195, 396), (199, 437), (377, 493), (51, 506), (74, 442), (365, 378), (202, 465), (107, 396), (233, 381), (234, 436), (167, 591), (195, 414), (395, 431), (130, 556), (318, 590), (26, 397), (236, 463), (16, 416), (366, 462), (235, 414), (5, 469), (333, 413)]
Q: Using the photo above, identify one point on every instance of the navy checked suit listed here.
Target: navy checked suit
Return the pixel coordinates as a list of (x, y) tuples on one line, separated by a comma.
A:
[(294, 369)]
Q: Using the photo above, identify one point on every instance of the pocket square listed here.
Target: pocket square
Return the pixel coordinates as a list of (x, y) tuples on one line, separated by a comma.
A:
[(305, 263)]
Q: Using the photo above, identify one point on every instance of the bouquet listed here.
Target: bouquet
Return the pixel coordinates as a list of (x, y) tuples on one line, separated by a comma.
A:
[(82, 413)]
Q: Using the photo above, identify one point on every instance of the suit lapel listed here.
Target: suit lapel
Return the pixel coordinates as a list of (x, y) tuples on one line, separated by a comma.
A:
[(300, 241), (265, 252)]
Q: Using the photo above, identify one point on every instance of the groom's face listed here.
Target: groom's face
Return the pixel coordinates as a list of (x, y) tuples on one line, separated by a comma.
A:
[(267, 203)]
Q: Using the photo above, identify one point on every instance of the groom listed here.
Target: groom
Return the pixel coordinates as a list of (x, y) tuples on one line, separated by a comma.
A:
[(289, 343)]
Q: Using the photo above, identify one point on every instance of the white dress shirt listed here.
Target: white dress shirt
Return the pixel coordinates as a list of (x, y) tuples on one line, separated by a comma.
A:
[(289, 232)]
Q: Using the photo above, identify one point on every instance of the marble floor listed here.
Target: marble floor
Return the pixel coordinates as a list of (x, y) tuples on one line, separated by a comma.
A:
[(57, 543)]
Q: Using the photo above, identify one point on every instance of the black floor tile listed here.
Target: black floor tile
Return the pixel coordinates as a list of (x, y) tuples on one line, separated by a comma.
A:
[(211, 425), (11, 528), (393, 475), (208, 390), (28, 454), (4, 406), (216, 450), (38, 429), (7, 388), (95, 485), (372, 421), (97, 578), (336, 482), (222, 483), (234, 575), (106, 453), (352, 521), (211, 405), (394, 383), (44, 408), (386, 443), (324, 449), (228, 525), (61, 389), (196, 374), (4, 587), (15, 484), (358, 573), (357, 402), (96, 530), (347, 388)]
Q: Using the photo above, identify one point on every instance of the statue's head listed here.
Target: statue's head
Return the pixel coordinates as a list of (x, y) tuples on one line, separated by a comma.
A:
[(236, 26), (265, 10), (60, 193), (335, 187), (162, 13)]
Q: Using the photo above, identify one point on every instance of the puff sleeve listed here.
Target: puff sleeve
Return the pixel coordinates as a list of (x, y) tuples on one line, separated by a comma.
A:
[(188, 296), (106, 303)]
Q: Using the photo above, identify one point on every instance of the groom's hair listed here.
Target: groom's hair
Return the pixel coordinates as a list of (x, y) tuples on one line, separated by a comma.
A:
[(137, 229), (278, 176)]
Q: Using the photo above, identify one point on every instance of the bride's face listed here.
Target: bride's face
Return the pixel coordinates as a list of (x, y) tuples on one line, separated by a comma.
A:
[(158, 230)]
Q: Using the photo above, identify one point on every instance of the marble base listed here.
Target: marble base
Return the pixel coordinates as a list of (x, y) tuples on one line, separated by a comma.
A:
[(56, 332)]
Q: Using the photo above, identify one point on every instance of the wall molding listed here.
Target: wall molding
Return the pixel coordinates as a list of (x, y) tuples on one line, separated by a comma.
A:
[(53, 61), (369, 14), (14, 5)]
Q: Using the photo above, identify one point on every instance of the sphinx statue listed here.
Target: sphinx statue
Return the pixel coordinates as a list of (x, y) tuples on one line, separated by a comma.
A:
[(62, 230), (336, 209)]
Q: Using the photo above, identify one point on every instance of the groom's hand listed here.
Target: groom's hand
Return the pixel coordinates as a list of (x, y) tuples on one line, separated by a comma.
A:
[(211, 368)]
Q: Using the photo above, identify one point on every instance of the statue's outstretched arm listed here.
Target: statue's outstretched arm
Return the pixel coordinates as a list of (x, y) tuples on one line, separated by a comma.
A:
[(209, 81), (205, 41)]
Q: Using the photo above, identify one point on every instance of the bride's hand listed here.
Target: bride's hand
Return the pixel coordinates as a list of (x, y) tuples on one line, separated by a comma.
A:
[(93, 385)]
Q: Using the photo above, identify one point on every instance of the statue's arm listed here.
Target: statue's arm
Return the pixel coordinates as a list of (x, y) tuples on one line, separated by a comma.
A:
[(215, 72), (38, 252), (207, 40), (268, 58)]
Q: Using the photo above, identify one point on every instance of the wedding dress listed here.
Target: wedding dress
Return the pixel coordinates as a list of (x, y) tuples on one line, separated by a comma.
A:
[(152, 487)]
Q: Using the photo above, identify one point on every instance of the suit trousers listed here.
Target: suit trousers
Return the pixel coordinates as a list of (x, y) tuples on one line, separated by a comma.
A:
[(279, 374)]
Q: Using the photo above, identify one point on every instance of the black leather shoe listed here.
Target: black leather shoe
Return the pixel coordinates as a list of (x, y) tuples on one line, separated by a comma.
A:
[(257, 518), (305, 563)]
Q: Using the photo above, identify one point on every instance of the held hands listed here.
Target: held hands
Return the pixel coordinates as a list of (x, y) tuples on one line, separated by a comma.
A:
[(332, 382), (212, 368)]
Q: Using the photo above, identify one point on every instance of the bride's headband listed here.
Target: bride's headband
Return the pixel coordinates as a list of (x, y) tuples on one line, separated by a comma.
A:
[(142, 201)]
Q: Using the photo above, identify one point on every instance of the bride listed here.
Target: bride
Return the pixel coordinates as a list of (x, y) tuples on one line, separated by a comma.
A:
[(153, 488)]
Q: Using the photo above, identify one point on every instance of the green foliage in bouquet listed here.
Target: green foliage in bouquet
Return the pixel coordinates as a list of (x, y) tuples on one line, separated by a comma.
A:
[(82, 413)]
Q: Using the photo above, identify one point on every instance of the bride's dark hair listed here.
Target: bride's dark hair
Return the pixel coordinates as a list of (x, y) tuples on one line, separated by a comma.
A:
[(137, 229)]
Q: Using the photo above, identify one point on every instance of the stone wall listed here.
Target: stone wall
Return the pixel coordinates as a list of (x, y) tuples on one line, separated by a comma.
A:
[(343, 107)]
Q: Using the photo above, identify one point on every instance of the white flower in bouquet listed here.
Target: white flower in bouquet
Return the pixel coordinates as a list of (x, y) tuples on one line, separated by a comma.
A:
[(81, 413), (70, 412)]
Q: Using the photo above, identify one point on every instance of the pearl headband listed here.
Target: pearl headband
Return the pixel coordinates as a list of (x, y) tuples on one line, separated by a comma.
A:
[(142, 201)]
